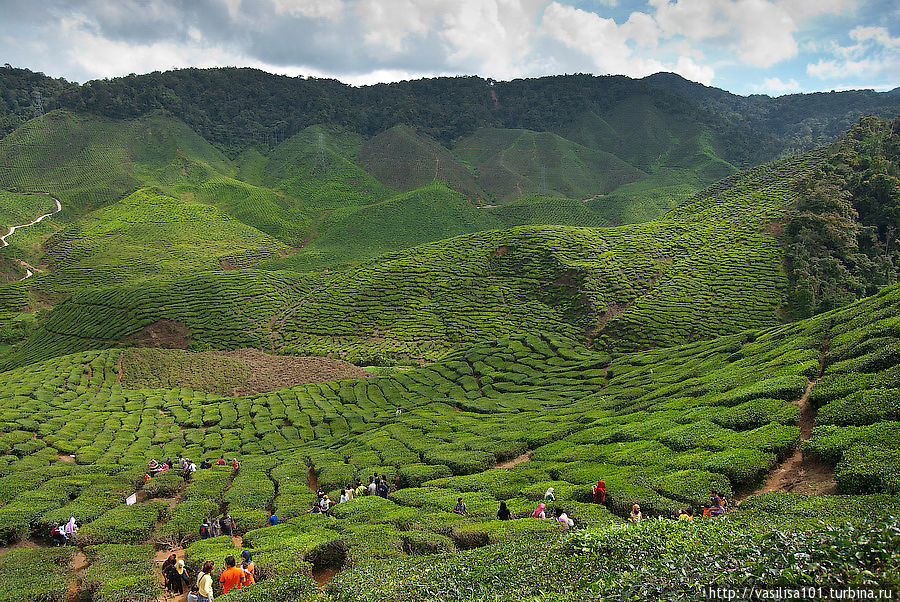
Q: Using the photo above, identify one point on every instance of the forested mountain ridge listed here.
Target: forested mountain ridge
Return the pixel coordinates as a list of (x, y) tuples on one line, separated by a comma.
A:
[(237, 107)]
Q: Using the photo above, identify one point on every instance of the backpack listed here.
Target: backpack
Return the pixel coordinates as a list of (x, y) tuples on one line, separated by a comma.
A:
[(226, 522)]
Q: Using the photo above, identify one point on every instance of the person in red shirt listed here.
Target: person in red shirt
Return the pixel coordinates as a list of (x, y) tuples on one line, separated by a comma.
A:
[(232, 577), (599, 492), (221, 461)]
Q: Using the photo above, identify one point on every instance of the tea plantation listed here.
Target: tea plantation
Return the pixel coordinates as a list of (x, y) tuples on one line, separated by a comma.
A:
[(534, 309), (661, 427), (707, 269)]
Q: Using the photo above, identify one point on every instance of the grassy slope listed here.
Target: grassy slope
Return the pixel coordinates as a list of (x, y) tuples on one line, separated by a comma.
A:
[(513, 163), (148, 234), (709, 269), (403, 159), (429, 213), (660, 427)]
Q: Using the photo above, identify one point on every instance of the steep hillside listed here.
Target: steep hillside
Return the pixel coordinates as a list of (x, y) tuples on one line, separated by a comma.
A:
[(513, 163), (88, 161), (423, 215), (318, 167), (403, 159), (147, 235), (710, 268)]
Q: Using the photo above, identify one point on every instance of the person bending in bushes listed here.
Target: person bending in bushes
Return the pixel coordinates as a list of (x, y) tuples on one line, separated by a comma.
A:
[(550, 495), (636, 515), (715, 504), (460, 508), (221, 461), (232, 577), (599, 492), (685, 514), (503, 513), (564, 520), (204, 582), (273, 520), (57, 537), (205, 464), (540, 511)]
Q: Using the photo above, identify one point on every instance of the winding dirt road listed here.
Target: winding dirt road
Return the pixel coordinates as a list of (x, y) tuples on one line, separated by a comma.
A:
[(28, 269)]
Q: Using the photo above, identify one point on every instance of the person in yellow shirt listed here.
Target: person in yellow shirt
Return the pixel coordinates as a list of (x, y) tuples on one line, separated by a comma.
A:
[(204, 582)]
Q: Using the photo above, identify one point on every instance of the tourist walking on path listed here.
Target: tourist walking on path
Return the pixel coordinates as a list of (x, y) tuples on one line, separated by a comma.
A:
[(226, 523)]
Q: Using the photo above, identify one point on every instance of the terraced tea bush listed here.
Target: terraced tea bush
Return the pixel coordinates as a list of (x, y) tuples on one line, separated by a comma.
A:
[(35, 574), (125, 524), (120, 573)]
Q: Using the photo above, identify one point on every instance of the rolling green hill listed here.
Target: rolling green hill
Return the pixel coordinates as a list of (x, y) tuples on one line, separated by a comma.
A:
[(149, 234), (430, 213), (87, 161), (512, 163), (709, 268), (403, 159)]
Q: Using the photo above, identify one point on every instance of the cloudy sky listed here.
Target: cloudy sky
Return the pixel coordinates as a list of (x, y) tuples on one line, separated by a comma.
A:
[(745, 46)]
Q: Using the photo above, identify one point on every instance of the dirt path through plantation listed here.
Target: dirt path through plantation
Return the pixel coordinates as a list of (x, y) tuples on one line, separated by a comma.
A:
[(161, 556), (77, 565), (29, 270), (800, 474), (526, 457)]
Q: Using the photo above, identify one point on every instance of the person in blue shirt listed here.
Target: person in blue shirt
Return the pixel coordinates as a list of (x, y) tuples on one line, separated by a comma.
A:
[(273, 520)]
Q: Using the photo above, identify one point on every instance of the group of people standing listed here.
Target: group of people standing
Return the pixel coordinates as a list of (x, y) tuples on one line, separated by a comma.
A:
[(378, 485), (235, 576), (223, 525), (185, 465)]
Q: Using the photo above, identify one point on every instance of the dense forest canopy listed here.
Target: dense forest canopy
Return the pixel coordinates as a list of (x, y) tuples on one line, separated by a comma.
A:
[(240, 107)]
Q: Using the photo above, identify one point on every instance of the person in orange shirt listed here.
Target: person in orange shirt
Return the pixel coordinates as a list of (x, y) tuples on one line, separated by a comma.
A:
[(232, 577)]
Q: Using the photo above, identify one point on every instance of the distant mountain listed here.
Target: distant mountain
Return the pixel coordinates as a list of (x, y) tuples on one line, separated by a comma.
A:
[(800, 121)]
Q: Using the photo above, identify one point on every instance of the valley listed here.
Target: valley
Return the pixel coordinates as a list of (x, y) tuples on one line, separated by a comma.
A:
[(588, 279)]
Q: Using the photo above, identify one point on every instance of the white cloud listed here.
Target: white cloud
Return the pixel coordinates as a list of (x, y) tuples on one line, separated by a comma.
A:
[(314, 9), (387, 24), (876, 53), (609, 45), (759, 32), (774, 85), (800, 10)]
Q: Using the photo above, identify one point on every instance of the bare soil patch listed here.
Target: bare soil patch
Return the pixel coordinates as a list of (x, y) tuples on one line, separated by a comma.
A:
[(273, 372), (25, 544), (235, 373), (78, 563), (526, 457), (163, 333)]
